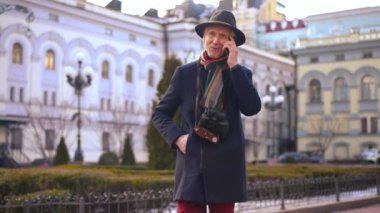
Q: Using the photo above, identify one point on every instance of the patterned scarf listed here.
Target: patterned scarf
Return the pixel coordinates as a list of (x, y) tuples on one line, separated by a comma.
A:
[(214, 84)]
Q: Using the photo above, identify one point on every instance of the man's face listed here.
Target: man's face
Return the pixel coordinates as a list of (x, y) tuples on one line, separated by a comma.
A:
[(214, 38)]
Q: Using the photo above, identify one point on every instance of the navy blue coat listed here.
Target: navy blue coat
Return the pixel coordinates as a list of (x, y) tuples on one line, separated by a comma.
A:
[(208, 172)]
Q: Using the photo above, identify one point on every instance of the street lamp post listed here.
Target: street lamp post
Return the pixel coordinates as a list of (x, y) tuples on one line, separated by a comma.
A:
[(273, 101), (79, 83)]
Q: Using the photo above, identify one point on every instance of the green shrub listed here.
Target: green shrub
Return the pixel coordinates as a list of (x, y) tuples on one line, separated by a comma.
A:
[(128, 156), (108, 158), (62, 155), (161, 155)]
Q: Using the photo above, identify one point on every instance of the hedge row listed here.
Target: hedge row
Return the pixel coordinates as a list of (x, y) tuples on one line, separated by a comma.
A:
[(83, 179), (288, 171)]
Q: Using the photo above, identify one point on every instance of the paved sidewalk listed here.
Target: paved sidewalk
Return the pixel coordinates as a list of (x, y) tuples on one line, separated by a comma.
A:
[(367, 209), (364, 205)]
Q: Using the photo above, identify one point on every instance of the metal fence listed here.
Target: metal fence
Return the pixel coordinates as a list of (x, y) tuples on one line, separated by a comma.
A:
[(277, 194)]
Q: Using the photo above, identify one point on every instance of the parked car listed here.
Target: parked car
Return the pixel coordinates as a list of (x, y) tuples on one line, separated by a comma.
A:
[(315, 159), (293, 157), (370, 155), (299, 157)]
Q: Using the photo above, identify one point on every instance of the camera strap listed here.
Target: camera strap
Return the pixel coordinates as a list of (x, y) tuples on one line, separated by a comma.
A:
[(197, 99)]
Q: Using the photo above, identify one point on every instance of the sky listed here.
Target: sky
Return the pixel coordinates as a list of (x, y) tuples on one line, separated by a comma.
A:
[(293, 8)]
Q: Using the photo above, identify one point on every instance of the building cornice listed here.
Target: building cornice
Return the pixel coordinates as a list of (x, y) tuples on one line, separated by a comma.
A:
[(268, 55), (336, 48), (343, 14), (99, 15)]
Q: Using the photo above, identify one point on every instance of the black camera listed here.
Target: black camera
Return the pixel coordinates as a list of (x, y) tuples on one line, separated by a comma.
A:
[(215, 122)]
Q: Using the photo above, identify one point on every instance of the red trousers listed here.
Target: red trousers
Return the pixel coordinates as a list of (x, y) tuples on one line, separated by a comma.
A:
[(191, 207)]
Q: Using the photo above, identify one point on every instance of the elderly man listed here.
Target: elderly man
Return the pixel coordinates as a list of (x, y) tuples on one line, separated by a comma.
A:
[(211, 93)]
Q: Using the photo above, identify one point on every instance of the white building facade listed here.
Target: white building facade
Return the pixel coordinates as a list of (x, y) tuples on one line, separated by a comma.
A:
[(40, 45)]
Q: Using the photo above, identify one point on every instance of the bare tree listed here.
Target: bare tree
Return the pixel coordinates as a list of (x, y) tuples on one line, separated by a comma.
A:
[(42, 118), (116, 122), (324, 130)]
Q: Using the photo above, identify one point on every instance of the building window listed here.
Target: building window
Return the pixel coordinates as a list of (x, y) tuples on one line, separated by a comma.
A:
[(53, 99), (363, 124), (106, 141), (102, 104), (314, 60), (279, 92), (255, 127), (50, 60), (16, 139), (126, 106), (151, 78), (21, 95), (373, 121), (280, 128), (367, 54), (129, 74), (45, 97), (369, 125), (105, 69), (109, 31), (268, 129), (109, 104), (53, 17), (368, 87), (267, 90), (315, 91), (12, 94), (340, 89), (340, 57), (132, 37), (49, 139), (17, 54)]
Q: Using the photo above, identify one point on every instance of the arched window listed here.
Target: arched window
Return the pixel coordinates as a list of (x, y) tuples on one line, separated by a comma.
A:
[(17, 54), (105, 69), (12, 94), (340, 89), (151, 78), (367, 87), (129, 74), (315, 91), (50, 60)]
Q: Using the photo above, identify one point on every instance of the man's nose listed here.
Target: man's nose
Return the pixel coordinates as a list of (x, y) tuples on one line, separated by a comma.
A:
[(216, 39)]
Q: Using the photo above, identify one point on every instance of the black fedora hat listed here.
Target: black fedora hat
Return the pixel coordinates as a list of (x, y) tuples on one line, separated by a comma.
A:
[(225, 18)]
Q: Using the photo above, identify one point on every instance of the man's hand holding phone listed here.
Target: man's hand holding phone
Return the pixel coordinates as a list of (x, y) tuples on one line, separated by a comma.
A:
[(232, 51)]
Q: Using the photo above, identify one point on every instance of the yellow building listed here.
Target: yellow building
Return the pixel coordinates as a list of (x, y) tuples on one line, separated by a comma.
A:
[(338, 81), (271, 10)]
